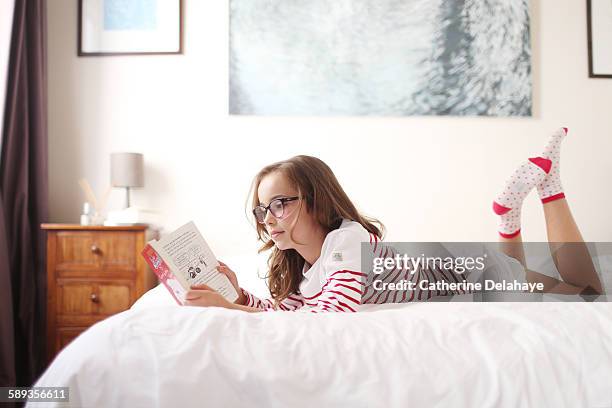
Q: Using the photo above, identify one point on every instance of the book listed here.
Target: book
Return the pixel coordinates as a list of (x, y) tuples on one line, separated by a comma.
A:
[(183, 258)]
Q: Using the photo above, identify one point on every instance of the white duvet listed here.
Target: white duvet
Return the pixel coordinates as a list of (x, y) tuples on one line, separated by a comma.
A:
[(424, 354)]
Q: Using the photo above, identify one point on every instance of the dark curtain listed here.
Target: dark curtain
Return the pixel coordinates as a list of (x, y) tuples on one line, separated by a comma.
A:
[(24, 199)]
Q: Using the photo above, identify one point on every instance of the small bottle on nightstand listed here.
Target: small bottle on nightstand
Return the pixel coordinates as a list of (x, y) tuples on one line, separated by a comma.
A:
[(86, 217)]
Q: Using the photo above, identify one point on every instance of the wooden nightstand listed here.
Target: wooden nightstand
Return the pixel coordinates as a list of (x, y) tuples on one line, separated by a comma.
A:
[(92, 272)]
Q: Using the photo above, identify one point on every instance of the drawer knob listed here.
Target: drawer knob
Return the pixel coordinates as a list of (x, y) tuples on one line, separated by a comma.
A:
[(94, 298), (95, 249)]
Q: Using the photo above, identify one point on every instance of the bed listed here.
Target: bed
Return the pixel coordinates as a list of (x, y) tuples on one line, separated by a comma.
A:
[(457, 354)]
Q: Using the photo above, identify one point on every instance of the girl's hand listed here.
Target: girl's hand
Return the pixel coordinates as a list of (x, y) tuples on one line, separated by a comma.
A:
[(224, 269), (203, 295)]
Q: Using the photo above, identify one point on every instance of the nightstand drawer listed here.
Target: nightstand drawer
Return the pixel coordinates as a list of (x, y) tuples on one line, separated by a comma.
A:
[(78, 251), (79, 302)]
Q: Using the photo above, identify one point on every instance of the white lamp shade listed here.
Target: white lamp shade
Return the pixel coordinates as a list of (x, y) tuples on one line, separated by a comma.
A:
[(127, 170)]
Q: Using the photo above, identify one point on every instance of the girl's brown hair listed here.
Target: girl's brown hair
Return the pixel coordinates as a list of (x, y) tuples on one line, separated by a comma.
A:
[(324, 198)]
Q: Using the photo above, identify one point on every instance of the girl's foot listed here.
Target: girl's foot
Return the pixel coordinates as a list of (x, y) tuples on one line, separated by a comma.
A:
[(550, 189), (508, 204)]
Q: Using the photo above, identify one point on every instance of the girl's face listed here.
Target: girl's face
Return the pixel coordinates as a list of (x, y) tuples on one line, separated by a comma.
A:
[(273, 186)]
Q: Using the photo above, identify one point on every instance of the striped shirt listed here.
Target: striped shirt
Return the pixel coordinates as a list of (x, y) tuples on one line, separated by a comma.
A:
[(336, 282), (416, 277)]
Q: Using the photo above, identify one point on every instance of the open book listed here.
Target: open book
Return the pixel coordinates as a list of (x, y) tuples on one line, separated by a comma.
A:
[(183, 258)]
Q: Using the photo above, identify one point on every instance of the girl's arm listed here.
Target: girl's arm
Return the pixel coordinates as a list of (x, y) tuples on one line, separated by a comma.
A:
[(341, 293), (244, 308), (248, 302), (293, 302), (203, 295)]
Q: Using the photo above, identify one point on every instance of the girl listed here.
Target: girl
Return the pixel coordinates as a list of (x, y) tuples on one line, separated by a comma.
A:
[(315, 235), (314, 232)]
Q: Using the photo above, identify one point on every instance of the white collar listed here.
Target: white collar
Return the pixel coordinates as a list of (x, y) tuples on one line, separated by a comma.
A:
[(307, 267)]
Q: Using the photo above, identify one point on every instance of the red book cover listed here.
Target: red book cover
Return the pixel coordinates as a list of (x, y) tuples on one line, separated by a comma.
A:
[(157, 264)]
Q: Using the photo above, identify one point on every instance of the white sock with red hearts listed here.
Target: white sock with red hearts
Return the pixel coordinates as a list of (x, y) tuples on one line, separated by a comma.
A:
[(508, 204), (550, 189)]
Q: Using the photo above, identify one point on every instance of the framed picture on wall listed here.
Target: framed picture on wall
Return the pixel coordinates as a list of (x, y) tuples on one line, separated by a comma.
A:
[(130, 27), (599, 26)]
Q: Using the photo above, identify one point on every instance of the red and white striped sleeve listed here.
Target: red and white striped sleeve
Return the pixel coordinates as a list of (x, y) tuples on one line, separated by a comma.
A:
[(293, 302), (344, 280), (341, 293)]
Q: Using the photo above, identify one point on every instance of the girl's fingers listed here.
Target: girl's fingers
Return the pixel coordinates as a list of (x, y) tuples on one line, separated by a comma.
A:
[(201, 286), (226, 271), (192, 295)]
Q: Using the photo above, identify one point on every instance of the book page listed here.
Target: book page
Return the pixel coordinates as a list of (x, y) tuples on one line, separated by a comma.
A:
[(189, 256)]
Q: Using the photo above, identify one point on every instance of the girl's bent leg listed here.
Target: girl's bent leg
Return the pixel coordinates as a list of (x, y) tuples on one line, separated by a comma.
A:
[(569, 252), (513, 247)]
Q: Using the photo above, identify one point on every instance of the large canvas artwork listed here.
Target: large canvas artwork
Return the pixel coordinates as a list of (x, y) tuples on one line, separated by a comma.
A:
[(380, 57)]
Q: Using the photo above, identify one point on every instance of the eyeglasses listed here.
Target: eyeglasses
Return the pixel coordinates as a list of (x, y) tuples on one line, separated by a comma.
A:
[(276, 208)]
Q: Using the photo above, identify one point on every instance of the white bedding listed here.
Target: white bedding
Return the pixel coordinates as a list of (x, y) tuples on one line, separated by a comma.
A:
[(424, 354)]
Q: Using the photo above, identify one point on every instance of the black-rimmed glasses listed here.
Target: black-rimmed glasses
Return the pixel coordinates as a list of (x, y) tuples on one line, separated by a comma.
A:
[(276, 208)]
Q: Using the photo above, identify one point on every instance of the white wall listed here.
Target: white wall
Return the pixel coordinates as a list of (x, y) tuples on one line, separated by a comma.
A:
[(427, 178)]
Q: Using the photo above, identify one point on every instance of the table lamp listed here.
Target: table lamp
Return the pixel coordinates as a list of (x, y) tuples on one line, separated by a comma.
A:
[(127, 171)]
